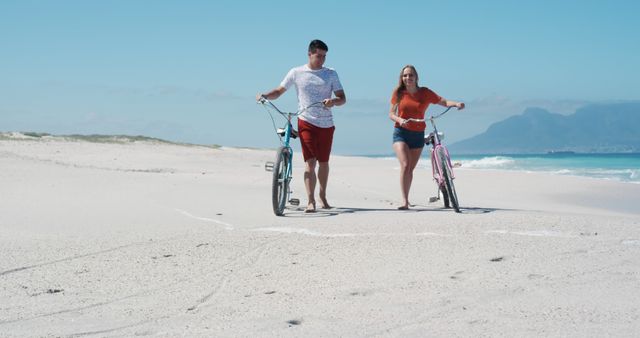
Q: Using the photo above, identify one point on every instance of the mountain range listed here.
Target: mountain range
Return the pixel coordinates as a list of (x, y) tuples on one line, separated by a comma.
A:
[(596, 128)]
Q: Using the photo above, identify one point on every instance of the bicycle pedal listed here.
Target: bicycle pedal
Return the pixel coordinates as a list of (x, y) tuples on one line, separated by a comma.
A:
[(268, 166), (294, 201), (433, 199)]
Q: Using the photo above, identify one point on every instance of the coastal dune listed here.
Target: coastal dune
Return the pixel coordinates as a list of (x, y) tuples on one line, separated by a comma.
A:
[(128, 237)]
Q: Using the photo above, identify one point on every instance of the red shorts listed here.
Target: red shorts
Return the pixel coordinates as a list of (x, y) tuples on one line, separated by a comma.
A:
[(316, 142)]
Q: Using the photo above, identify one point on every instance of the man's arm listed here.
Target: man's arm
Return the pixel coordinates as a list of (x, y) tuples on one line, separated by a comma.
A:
[(273, 94), (339, 100)]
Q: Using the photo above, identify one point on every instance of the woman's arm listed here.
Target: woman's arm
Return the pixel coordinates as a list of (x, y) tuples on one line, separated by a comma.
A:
[(393, 115), (448, 103)]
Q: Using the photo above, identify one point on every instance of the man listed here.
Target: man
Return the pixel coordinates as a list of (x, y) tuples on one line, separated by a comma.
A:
[(314, 83)]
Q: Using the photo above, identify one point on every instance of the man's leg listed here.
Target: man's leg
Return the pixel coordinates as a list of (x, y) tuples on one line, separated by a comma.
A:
[(310, 183), (325, 137), (323, 178)]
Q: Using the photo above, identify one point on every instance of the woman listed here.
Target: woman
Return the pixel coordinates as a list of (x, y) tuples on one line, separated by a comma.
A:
[(411, 101)]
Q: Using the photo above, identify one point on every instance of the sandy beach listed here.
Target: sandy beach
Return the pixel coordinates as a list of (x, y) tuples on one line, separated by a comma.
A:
[(155, 239)]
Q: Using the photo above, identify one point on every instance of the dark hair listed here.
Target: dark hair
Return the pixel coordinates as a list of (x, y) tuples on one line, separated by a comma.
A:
[(317, 44), (401, 87)]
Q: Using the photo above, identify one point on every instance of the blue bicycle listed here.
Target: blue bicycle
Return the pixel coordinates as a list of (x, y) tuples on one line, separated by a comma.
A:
[(282, 168)]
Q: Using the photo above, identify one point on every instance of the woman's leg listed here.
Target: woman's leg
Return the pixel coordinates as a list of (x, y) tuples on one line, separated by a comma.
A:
[(403, 155), (408, 159)]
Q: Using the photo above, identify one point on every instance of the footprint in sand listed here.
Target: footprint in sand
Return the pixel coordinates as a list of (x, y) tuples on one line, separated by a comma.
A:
[(456, 275), (360, 293), (293, 322)]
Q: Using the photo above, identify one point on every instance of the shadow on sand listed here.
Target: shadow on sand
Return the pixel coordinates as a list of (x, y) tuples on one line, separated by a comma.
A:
[(336, 211)]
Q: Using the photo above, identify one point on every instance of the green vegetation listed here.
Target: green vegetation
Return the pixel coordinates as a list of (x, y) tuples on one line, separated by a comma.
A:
[(94, 138), (36, 135)]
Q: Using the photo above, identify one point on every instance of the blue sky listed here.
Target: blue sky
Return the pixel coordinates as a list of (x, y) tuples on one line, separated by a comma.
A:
[(188, 71)]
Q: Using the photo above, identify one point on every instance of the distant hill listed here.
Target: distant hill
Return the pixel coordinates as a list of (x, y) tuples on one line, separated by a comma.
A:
[(598, 128)]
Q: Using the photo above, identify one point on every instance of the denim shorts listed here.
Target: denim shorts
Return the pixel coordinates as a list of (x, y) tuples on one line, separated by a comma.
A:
[(414, 139)]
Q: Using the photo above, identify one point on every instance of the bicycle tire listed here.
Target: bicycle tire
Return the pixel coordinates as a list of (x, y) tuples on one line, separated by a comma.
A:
[(445, 195), (441, 186), (280, 182), (448, 180)]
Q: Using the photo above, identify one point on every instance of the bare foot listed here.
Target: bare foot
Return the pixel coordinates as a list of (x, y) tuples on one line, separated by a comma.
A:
[(323, 201), (324, 204), (311, 207), (405, 206)]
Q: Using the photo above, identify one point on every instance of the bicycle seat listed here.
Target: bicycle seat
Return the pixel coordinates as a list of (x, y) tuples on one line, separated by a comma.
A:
[(430, 138), (294, 133)]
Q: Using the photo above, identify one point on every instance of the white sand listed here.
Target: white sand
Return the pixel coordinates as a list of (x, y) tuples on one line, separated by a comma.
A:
[(150, 239)]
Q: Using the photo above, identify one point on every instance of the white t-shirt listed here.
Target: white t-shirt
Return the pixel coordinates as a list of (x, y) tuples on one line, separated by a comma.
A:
[(313, 86)]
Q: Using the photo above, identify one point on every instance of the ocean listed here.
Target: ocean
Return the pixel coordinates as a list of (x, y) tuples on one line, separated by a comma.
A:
[(619, 167)]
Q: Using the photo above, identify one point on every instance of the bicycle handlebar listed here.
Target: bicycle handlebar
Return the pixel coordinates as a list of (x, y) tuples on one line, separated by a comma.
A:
[(444, 112), (263, 100), (433, 117)]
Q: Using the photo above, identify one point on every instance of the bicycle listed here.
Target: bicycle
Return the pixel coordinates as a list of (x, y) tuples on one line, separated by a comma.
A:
[(441, 167), (282, 168)]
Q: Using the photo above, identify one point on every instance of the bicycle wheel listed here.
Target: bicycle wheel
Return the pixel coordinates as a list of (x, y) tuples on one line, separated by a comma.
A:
[(280, 183), (448, 180)]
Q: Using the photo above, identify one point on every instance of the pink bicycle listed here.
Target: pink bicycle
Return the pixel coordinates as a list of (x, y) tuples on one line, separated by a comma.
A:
[(441, 164)]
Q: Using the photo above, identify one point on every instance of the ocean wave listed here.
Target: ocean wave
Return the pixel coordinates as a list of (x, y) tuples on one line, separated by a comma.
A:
[(609, 167), (493, 162), (625, 175), (622, 175)]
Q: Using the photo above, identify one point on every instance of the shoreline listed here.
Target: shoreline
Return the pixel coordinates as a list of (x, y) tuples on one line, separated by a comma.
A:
[(626, 175)]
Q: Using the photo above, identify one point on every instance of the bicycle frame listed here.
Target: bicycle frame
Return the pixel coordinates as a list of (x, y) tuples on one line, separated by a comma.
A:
[(283, 167), (441, 167), (436, 143)]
